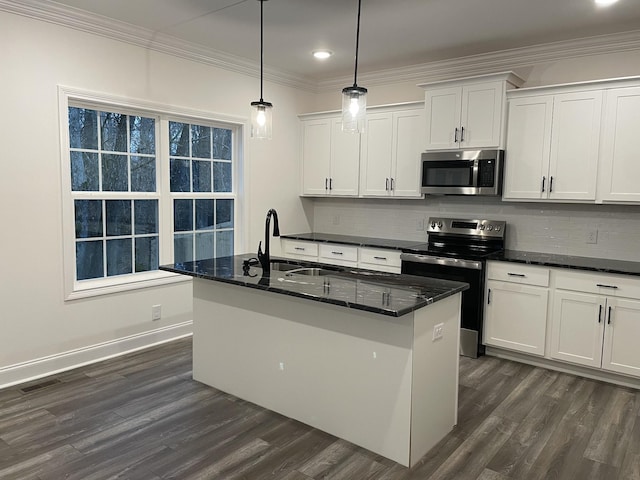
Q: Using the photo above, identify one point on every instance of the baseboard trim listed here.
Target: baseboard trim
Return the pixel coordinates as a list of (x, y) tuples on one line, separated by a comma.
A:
[(45, 366), (594, 374)]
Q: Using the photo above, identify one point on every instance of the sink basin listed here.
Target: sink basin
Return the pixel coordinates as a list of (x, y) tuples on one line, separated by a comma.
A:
[(293, 269)]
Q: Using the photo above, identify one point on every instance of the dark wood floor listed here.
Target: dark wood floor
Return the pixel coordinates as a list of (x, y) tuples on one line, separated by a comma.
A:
[(142, 417)]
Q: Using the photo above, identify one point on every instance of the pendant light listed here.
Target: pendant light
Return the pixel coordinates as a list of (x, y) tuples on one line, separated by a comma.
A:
[(261, 110), (354, 99)]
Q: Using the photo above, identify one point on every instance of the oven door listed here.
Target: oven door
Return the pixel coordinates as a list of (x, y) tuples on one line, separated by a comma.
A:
[(467, 271)]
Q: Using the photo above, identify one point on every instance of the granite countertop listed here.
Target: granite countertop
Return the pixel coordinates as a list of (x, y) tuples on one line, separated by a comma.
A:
[(569, 261), (377, 292), (354, 240)]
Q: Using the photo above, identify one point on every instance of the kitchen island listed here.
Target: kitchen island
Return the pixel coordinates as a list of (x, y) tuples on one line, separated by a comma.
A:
[(366, 356)]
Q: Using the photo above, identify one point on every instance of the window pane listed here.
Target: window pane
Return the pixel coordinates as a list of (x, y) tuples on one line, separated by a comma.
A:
[(113, 128), (179, 175), (204, 214), (146, 254), (179, 139), (143, 135), (89, 261), (224, 243), (84, 171), (143, 174), (83, 128), (183, 248), (118, 256), (115, 175), (200, 141), (201, 176), (118, 217), (146, 216), (204, 245), (182, 215), (222, 181), (88, 215), (224, 213), (222, 143)]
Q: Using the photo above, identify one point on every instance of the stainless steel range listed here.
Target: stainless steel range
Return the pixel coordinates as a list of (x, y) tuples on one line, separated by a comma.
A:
[(457, 250)]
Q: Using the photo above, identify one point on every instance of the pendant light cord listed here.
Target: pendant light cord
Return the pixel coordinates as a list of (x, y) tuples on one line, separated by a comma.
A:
[(261, 47), (355, 72)]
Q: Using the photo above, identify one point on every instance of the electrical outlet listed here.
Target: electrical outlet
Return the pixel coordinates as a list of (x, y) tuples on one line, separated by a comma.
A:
[(156, 312), (336, 219), (437, 331), (420, 225), (592, 236), (281, 366)]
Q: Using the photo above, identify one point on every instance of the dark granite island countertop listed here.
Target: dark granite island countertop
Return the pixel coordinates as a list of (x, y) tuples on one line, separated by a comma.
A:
[(382, 293)]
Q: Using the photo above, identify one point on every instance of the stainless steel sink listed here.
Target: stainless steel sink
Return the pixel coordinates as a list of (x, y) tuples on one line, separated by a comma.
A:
[(292, 269)]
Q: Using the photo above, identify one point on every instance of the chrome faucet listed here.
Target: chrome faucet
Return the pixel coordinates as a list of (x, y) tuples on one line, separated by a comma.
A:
[(264, 258)]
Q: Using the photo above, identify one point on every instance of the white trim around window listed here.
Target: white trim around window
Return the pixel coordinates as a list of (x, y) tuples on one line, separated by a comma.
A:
[(67, 96)]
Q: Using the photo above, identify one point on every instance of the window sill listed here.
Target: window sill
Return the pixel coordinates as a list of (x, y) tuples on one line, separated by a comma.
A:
[(117, 285)]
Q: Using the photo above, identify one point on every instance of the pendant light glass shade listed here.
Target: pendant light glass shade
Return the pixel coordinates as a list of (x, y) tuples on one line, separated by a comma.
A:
[(354, 109), (261, 119), (261, 123), (354, 98)]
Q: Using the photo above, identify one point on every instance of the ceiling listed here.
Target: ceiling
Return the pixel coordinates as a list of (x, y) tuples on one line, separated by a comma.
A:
[(393, 33)]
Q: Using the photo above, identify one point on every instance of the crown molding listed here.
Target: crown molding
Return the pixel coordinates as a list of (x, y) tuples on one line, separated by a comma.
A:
[(80, 20), (473, 65), (502, 60)]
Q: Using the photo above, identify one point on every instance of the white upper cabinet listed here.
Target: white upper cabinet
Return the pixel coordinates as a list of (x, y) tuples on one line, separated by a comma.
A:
[(552, 146), (390, 156), (330, 158), (467, 113), (620, 162)]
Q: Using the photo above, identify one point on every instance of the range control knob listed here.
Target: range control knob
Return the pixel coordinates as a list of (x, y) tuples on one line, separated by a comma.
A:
[(439, 224), (433, 224), (497, 228), (490, 227), (482, 226)]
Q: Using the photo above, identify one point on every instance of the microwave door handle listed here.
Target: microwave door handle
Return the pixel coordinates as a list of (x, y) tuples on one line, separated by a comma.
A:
[(474, 180)]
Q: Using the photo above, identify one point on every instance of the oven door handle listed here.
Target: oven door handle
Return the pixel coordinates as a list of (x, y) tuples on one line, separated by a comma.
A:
[(444, 261)]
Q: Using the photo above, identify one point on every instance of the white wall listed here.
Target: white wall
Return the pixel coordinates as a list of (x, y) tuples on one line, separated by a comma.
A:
[(35, 58)]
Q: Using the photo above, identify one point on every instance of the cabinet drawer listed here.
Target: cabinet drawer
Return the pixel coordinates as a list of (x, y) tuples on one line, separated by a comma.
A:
[(611, 285), (518, 273), (380, 259), (334, 253), (299, 248)]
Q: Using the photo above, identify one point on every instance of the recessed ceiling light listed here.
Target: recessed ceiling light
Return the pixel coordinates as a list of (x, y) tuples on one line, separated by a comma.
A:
[(605, 3), (322, 54)]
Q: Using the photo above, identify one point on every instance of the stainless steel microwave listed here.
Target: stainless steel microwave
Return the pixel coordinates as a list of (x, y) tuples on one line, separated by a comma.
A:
[(462, 172)]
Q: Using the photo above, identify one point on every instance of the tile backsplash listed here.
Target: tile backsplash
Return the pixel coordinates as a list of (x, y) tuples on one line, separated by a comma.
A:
[(538, 227)]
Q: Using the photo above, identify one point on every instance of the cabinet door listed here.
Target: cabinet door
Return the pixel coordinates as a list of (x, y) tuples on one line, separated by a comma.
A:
[(575, 141), (528, 148), (443, 107), (375, 162), (345, 160), (621, 353), (316, 156), (516, 317), (481, 119), (577, 326), (408, 144), (619, 165)]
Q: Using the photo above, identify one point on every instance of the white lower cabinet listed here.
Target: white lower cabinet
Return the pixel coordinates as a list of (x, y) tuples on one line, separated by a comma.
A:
[(596, 331), (516, 316), (379, 259)]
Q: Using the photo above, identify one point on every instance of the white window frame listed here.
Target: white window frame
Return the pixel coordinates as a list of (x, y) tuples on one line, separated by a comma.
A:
[(74, 289)]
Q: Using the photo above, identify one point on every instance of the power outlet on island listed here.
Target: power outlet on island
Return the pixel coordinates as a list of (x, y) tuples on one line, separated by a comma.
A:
[(437, 331), (156, 312)]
